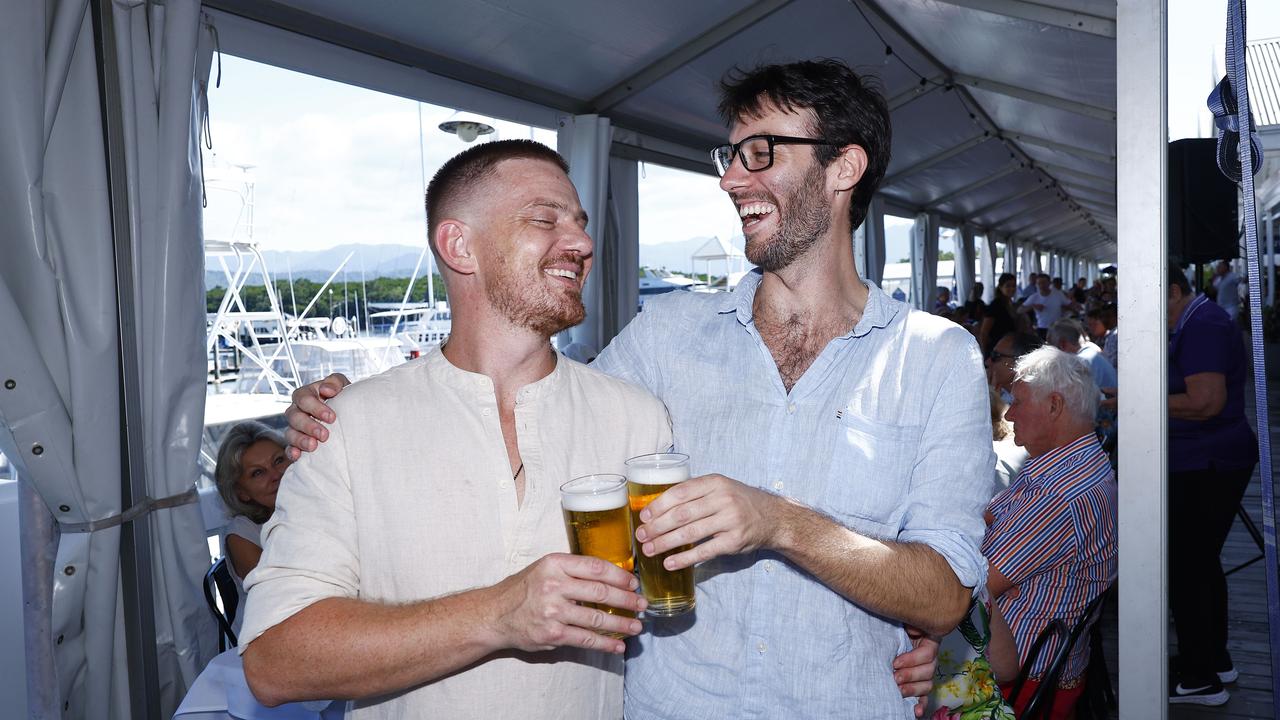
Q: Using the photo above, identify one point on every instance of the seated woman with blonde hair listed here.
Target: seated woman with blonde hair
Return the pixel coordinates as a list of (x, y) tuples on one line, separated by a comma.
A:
[(251, 462)]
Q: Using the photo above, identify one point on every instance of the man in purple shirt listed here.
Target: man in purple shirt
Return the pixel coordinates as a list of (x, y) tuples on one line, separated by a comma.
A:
[(1212, 453)]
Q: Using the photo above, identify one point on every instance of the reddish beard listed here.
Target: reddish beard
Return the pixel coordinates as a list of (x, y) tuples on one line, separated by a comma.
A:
[(527, 301)]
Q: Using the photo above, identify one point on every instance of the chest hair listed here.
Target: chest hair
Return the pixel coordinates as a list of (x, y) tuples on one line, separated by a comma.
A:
[(795, 342)]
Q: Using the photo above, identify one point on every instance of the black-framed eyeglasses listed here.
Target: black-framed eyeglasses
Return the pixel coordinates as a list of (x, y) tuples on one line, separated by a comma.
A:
[(756, 152), (997, 356)]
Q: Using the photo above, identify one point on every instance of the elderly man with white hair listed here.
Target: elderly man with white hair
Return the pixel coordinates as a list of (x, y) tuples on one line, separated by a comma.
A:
[(1051, 536)]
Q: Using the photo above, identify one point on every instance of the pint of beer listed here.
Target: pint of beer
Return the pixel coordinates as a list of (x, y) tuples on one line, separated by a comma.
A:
[(669, 593), (595, 512)]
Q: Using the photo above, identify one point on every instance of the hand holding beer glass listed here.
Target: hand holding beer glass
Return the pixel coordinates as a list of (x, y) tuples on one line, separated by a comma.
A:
[(669, 592), (595, 511)]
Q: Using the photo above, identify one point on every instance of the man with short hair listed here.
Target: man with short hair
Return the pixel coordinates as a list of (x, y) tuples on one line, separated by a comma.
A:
[(1051, 541), (1080, 293), (842, 437), (1069, 336), (417, 562), (1048, 303), (844, 474), (1227, 284)]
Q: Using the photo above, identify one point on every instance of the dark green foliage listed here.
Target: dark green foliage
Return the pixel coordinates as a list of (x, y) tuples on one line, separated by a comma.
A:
[(381, 289)]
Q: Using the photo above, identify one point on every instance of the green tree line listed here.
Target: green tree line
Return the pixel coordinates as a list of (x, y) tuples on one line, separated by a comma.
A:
[(383, 289)]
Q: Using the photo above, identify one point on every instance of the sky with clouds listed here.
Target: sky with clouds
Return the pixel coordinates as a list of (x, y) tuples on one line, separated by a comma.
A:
[(336, 164)]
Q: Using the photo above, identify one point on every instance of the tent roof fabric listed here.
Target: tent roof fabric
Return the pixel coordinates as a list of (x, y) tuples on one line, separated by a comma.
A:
[(716, 249), (1263, 57), (1023, 89)]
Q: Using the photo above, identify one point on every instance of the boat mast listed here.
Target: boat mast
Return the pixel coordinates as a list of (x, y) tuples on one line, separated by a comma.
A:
[(422, 168)]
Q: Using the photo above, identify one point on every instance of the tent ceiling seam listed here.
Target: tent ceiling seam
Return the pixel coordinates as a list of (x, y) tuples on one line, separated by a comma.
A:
[(1044, 15), (283, 17), (977, 111), (705, 41)]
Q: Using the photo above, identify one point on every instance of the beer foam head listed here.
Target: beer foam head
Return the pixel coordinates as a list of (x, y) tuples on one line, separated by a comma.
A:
[(658, 469), (593, 493)]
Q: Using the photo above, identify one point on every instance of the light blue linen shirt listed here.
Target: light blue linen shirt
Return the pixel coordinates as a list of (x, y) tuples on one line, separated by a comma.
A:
[(888, 433)]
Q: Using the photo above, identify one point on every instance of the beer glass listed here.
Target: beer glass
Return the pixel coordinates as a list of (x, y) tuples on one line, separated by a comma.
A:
[(595, 512), (669, 593)]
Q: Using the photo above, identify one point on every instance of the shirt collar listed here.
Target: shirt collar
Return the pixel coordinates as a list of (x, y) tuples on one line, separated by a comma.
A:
[(879, 311), (1039, 467), (1190, 310), (448, 373)]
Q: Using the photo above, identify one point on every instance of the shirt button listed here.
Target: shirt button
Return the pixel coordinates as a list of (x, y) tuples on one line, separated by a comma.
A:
[(768, 566), (485, 412), (791, 409), (761, 648), (777, 485)]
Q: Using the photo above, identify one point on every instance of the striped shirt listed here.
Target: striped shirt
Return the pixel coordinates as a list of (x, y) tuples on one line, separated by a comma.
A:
[(1053, 535)]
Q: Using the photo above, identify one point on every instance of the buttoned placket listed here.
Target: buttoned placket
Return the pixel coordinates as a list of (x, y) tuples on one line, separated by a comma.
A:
[(763, 604), (520, 553), (505, 501)]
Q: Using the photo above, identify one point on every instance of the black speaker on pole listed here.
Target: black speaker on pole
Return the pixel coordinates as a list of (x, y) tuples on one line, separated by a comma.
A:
[(1203, 219)]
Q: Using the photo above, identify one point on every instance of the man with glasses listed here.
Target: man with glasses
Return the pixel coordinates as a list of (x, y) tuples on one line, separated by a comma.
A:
[(840, 438)]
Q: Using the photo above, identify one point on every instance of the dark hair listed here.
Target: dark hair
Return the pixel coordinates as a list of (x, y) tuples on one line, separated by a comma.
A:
[(1105, 314), (1004, 278), (462, 172), (1023, 342), (1178, 278), (847, 109)]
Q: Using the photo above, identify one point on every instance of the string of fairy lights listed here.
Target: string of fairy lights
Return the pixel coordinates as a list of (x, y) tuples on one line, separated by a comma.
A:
[(990, 130)]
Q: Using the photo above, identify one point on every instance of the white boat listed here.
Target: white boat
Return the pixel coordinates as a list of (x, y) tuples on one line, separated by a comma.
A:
[(658, 282)]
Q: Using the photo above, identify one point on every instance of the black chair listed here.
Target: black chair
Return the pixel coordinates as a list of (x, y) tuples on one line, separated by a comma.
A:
[(218, 580), (1041, 703)]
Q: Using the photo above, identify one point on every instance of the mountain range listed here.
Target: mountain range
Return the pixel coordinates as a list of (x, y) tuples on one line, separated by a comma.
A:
[(399, 261)]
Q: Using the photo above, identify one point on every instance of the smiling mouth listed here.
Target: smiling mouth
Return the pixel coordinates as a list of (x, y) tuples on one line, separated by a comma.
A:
[(753, 213), (568, 277)]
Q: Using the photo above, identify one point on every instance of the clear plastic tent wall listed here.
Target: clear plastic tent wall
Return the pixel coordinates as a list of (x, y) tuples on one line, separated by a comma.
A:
[(60, 350)]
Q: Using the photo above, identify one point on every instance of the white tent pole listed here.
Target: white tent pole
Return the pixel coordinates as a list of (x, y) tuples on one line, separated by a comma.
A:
[(1142, 133)]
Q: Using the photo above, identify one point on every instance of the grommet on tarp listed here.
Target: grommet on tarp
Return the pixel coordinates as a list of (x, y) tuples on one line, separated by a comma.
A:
[(69, 570), (10, 384), (64, 508), (37, 449)]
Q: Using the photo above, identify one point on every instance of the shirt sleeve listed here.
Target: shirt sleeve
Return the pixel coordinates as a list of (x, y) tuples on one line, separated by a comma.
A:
[(951, 479), (309, 544), (630, 355), (1032, 536)]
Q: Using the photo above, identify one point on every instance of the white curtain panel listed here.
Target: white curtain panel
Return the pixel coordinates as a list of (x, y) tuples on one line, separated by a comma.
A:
[(59, 323), (988, 268), (622, 248), (872, 242), (584, 141), (924, 260)]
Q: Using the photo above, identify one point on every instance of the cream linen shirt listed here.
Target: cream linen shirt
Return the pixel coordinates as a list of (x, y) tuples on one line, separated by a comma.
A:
[(412, 498)]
